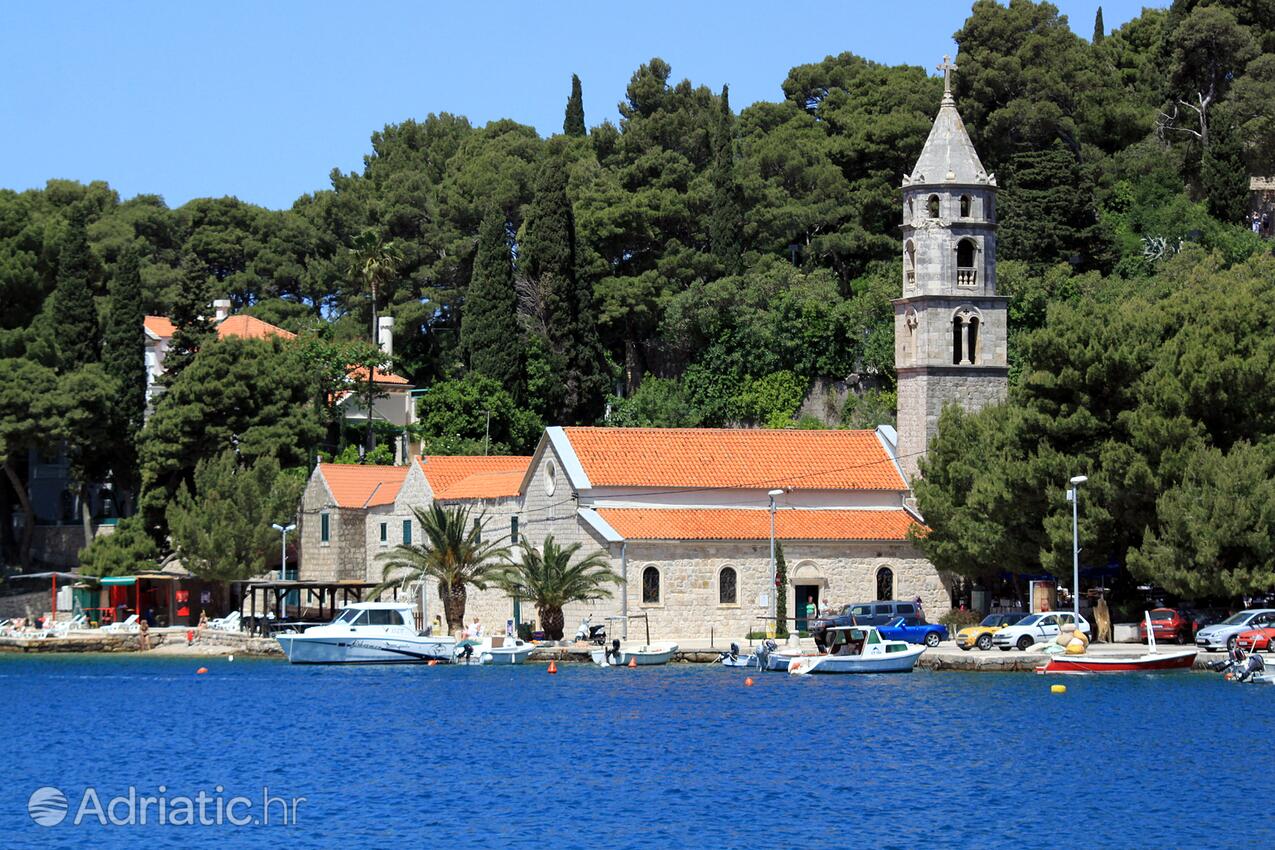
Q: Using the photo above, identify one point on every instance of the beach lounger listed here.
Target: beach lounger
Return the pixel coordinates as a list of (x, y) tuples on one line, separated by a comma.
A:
[(228, 623), (129, 625)]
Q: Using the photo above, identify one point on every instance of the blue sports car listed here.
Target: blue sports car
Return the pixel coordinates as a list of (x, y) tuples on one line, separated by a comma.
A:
[(913, 630)]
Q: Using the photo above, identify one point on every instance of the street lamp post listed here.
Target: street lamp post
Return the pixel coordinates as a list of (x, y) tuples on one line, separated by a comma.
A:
[(774, 591), (1073, 496), (283, 551)]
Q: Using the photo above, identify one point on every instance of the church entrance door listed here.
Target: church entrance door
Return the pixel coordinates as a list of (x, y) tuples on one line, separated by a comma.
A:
[(806, 594)]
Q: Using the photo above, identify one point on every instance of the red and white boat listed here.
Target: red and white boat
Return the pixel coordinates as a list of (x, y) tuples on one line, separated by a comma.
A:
[(1152, 661)]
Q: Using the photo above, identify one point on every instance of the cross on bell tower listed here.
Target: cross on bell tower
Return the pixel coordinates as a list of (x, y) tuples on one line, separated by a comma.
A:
[(950, 331), (948, 67)]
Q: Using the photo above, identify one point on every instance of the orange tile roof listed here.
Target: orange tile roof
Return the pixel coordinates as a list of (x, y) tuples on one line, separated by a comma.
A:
[(356, 485), (160, 326), (359, 373), (472, 477), (250, 327), (709, 457), (744, 524)]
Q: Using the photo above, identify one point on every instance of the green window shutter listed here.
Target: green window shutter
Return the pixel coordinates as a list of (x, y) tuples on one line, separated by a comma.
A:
[(407, 532), (385, 532), (325, 528), (513, 530)]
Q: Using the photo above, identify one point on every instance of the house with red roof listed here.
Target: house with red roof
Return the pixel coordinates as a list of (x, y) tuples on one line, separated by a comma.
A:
[(394, 402)]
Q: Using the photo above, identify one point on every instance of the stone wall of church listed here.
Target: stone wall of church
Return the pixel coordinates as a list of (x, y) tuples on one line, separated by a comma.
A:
[(690, 604)]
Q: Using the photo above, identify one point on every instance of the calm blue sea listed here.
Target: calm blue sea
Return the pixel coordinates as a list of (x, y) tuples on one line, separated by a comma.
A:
[(681, 756)]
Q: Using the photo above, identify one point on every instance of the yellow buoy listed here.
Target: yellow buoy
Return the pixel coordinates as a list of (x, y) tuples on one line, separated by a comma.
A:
[(1058, 689)]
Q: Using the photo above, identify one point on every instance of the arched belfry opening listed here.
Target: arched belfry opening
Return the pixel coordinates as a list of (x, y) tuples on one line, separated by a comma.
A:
[(966, 272), (932, 206)]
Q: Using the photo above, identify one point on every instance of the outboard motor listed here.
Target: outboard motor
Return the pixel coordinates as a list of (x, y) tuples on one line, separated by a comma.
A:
[(1252, 667), (734, 652), (465, 653)]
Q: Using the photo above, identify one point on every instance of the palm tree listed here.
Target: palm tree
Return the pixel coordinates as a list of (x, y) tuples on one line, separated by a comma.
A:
[(375, 261), (451, 551), (549, 579)]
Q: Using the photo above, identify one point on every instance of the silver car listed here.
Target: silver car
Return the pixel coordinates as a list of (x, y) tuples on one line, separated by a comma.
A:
[(1220, 636)]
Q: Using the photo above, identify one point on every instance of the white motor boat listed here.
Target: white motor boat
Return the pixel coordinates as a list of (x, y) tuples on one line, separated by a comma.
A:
[(494, 649), (776, 659), (368, 633), (735, 659), (859, 649), (643, 655)]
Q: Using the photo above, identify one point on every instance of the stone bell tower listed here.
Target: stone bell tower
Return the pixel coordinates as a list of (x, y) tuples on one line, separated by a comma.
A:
[(950, 325)]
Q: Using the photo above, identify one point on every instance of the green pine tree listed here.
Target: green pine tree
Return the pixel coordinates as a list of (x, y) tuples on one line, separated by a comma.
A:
[(489, 325), (124, 356), (568, 296), (1099, 31), (1048, 214), (573, 123), (193, 327), (74, 312), (726, 221)]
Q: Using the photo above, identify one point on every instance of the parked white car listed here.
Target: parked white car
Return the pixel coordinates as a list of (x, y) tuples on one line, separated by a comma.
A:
[(1222, 635), (1036, 628)]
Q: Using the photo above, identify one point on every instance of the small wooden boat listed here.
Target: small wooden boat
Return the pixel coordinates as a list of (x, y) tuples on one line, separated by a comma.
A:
[(1151, 661), (859, 649), (648, 654), (642, 655)]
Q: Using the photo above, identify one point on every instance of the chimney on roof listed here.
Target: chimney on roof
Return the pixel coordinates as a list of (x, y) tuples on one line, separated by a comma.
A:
[(385, 334), (221, 310)]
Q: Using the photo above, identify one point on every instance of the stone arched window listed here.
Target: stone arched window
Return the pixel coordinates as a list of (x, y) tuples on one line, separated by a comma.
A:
[(957, 340), (651, 586), (971, 340), (728, 586), (885, 583), (965, 206), (909, 208), (909, 262), (932, 206), (966, 274)]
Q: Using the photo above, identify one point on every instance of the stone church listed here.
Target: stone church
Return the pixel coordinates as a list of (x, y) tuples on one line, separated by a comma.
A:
[(685, 516)]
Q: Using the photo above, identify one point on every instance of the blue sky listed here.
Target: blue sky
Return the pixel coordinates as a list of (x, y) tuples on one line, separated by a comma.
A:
[(262, 99)]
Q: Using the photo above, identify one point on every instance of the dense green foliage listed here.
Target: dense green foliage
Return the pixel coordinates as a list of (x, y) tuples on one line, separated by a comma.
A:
[(221, 526), (129, 549), (685, 264), (1159, 396)]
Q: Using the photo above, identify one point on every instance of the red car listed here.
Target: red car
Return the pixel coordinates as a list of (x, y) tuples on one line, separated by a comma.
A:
[(1257, 639), (1170, 625)]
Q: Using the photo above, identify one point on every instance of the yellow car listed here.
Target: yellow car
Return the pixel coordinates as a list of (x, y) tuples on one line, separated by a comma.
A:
[(981, 635)]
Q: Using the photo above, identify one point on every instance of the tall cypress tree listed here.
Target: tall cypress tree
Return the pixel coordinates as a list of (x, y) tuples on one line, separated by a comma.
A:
[(74, 313), (726, 220), (568, 296), (124, 356), (573, 123), (1099, 31), (1223, 174), (190, 318), (489, 326)]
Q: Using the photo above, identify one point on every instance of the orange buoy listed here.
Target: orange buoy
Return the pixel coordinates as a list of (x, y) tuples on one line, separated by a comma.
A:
[(632, 662), (553, 666), (201, 671), (432, 662), (748, 682)]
